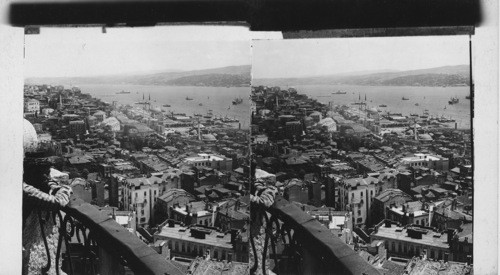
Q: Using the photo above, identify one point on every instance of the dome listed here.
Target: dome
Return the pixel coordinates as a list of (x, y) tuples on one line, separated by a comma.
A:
[(425, 137), (112, 122), (209, 137), (30, 138)]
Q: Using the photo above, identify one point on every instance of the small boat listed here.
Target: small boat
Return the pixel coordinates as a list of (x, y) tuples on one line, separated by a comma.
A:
[(166, 105), (201, 104), (237, 101), (453, 100), (416, 104), (467, 97), (339, 93), (383, 105), (188, 98), (405, 98), (122, 93)]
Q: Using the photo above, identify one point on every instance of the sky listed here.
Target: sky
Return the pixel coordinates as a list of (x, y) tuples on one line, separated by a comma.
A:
[(67, 52), (314, 57)]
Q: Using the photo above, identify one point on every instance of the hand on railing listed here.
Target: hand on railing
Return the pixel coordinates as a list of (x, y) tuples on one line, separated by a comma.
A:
[(264, 194), (48, 201)]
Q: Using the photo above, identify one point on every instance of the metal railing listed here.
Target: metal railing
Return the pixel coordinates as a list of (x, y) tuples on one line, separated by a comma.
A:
[(91, 242), (296, 243)]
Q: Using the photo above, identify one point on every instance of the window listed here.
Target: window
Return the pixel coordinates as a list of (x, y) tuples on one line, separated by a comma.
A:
[(142, 212), (432, 253), (176, 246), (216, 254), (393, 247), (183, 247), (361, 194), (145, 193)]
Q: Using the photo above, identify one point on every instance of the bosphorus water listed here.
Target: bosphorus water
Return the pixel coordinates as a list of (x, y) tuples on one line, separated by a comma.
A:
[(433, 99), (217, 99)]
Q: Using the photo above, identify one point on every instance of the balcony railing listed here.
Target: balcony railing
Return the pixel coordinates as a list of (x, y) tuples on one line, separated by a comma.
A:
[(296, 243), (91, 242)]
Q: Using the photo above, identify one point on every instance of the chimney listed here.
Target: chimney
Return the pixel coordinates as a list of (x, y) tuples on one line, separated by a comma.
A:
[(387, 223), (450, 235), (171, 223), (237, 205), (234, 233)]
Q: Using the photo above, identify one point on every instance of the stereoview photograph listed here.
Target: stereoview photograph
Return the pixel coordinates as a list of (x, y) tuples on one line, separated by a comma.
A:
[(136, 145), (361, 156)]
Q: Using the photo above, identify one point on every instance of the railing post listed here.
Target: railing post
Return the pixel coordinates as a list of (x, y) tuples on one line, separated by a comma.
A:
[(109, 264)]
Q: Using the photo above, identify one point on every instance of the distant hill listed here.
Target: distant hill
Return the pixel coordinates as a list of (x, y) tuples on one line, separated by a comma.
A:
[(440, 76), (233, 76)]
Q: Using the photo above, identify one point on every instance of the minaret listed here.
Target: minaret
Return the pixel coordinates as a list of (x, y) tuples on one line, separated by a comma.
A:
[(199, 130), (59, 106), (415, 129)]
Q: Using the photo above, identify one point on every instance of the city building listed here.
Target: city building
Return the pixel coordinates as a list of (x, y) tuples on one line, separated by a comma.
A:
[(428, 161), (356, 195), (384, 201), (194, 241), (212, 161), (140, 195), (407, 242), (31, 105), (77, 127)]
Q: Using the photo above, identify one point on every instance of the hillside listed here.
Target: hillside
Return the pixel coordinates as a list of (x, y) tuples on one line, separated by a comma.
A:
[(440, 76), (220, 77)]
